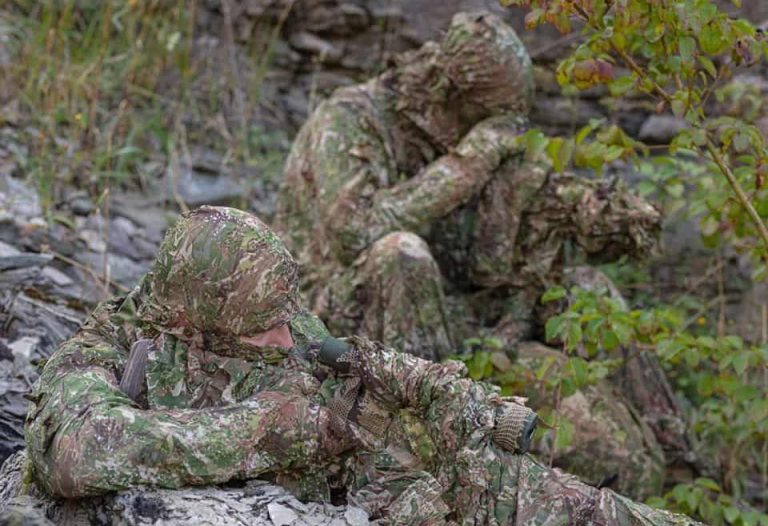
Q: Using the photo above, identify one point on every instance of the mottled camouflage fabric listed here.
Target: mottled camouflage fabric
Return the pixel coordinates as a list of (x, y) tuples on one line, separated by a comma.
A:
[(213, 409), (224, 271), (419, 221), (436, 462), (432, 148)]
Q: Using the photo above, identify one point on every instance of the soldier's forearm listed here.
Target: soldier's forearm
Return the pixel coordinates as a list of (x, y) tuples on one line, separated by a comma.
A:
[(451, 180), (111, 448), (413, 205), (399, 378)]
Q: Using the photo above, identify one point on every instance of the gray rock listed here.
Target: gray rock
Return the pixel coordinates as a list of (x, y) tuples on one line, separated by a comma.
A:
[(309, 43), (148, 212), (660, 129), (119, 269), (281, 515), (126, 239), (13, 410), (8, 250), (21, 315), (258, 503), (18, 199), (197, 189), (24, 260), (564, 113)]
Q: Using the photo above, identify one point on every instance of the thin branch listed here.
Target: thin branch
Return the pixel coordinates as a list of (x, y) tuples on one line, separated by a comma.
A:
[(762, 230)]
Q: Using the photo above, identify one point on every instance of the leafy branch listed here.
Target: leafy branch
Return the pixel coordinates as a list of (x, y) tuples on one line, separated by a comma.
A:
[(677, 52)]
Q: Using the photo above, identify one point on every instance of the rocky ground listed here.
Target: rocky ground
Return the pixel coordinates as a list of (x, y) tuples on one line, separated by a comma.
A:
[(55, 267)]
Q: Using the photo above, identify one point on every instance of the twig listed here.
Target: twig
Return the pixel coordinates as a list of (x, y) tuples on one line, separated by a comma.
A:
[(720, 296), (87, 269), (740, 195)]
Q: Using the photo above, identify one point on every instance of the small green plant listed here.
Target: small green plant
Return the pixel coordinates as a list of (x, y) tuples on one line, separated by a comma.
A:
[(723, 378), (110, 90), (678, 53)]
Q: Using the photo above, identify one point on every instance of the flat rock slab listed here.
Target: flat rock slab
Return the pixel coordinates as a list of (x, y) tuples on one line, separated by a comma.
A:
[(258, 503)]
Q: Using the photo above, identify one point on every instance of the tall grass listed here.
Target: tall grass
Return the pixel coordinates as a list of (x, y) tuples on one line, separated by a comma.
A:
[(108, 90)]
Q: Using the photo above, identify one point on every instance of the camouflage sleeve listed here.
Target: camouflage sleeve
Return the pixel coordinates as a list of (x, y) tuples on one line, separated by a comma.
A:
[(447, 183), (352, 173), (456, 408), (85, 437), (487, 483)]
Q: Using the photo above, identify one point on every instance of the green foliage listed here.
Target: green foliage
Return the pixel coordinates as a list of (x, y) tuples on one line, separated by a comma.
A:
[(705, 498), (678, 52), (106, 93), (723, 378)]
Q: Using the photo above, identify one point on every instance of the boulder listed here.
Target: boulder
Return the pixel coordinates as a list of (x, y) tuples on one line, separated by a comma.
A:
[(255, 502)]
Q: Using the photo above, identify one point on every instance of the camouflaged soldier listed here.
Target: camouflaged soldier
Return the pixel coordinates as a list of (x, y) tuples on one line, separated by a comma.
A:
[(419, 222), (416, 217), (216, 403), (234, 388)]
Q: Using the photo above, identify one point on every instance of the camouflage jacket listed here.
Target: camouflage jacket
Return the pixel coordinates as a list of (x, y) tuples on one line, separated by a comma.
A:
[(382, 157), (416, 450), (196, 421)]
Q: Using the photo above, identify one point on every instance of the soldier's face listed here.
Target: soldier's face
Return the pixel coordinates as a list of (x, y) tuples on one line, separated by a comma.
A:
[(279, 337)]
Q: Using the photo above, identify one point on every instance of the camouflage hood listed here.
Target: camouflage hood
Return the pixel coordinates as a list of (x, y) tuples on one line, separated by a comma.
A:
[(221, 271), (488, 64), (479, 69)]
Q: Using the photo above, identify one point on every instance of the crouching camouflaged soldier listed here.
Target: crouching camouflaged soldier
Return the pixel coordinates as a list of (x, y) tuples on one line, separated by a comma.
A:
[(419, 222), (234, 387), (415, 215)]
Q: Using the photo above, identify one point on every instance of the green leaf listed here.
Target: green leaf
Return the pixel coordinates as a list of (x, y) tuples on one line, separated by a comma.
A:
[(535, 143), (707, 483), (687, 47), (553, 294), (741, 362), (574, 336), (555, 327), (560, 152), (564, 434), (712, 40), (678, 108), (579, 368), (731, 513), (610, 340), (708, 66), (477, 366), (621, 85)]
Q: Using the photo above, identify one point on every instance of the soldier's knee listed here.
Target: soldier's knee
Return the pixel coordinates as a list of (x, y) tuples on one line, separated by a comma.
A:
[(401, 249)]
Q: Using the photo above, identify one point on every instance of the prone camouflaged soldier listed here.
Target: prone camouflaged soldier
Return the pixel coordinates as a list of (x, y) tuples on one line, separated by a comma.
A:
[(416, 217), (234, 388)]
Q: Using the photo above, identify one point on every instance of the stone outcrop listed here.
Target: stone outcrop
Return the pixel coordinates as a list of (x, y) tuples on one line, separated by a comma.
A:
[(255, 503)]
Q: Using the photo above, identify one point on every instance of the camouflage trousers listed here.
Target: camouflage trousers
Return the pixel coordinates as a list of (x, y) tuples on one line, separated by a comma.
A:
[(393, 293)]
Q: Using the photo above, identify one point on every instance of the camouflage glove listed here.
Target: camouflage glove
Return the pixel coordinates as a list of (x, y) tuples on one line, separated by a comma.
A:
[(494, 140), (514, 426)]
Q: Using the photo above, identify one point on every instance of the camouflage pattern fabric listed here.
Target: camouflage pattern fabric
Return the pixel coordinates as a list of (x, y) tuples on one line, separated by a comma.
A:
[(213, 408), (414, 447), (611, 446), (432, 149), (419, 233), (442, 427), (222, 270)]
